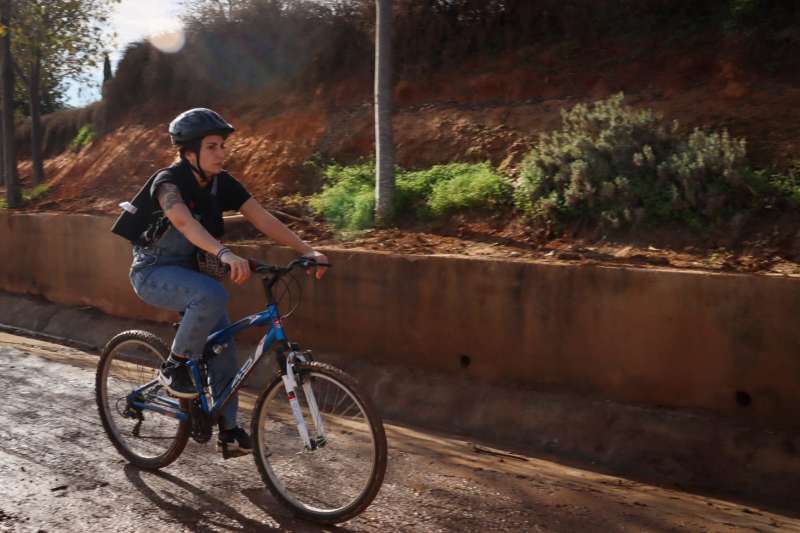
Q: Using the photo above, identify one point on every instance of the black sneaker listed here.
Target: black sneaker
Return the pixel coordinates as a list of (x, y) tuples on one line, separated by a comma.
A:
[(177, 379), (234, 440)]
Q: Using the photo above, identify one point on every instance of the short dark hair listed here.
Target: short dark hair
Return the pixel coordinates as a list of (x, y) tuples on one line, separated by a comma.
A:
[(193, 146)]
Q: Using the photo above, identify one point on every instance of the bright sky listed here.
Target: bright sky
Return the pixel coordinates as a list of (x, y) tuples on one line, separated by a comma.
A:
[(133, 20)]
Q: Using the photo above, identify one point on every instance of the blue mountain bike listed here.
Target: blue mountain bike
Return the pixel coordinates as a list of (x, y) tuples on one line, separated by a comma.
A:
[(319, 444)]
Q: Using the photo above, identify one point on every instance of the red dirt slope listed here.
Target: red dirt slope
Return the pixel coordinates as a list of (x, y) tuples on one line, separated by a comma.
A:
[(482, 112)]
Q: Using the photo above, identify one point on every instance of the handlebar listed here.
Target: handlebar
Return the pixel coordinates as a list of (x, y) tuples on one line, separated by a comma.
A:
[(302, 262), (272, 273)]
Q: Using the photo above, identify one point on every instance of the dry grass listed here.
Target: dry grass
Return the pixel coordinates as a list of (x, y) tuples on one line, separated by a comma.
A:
[(59, 128)]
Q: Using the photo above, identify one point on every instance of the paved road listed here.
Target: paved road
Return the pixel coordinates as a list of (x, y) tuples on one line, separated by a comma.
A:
[(59, 473)]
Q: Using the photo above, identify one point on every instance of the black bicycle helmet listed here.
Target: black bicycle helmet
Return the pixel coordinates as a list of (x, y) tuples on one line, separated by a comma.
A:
[(194, 124)]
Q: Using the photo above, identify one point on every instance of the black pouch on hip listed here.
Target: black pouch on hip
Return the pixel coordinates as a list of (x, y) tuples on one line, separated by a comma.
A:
[(136, 215)]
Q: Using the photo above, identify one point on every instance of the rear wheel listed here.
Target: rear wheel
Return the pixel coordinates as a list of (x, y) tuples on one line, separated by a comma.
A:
[(146, 438), (340, 478)]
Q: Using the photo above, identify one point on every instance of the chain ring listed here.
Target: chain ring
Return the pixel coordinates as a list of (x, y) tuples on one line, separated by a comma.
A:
[(201, 423)]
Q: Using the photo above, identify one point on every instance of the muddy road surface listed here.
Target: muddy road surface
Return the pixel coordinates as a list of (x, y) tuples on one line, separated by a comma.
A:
[(60, 473)]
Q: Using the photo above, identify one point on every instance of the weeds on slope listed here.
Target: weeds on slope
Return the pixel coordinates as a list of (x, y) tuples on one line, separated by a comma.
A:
[(28, 195), (610, 165)]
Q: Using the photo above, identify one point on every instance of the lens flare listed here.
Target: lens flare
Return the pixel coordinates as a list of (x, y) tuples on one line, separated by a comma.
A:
[(169, 42)]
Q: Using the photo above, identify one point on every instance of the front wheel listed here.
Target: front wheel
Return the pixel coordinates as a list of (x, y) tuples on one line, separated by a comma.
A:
[(332, 482)]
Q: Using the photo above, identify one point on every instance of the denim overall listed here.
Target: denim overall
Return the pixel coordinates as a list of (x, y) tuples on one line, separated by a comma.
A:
[(164, 275)]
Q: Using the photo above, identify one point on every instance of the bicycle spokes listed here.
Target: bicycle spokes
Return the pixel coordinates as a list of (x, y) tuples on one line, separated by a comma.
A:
[(147, 427), (334, 470)]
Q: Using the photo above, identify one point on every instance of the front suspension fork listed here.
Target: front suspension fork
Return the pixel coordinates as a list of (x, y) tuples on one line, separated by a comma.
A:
[(290, 384)]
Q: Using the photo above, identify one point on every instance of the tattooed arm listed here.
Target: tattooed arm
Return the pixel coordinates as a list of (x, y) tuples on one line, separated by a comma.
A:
[(171, 202), (278, 232), (168, 196)]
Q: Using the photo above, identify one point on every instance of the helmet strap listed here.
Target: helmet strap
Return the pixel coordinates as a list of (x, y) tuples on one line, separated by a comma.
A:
[(198, 169)]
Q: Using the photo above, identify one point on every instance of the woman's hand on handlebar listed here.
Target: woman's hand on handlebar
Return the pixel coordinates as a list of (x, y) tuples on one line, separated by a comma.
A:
[(240, 268), (319, 257)]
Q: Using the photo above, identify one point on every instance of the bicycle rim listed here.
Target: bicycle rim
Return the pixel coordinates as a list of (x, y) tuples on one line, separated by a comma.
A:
[(145, 437), (334, 482)]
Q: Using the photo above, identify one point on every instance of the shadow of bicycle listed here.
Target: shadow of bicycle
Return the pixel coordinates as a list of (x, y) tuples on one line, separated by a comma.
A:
[(199, 511)]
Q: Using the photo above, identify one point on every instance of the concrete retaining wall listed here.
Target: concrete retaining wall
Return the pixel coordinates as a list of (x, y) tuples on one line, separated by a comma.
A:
[(652, 337)]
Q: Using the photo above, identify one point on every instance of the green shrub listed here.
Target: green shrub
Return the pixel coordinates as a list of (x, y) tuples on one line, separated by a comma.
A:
[(776, 189), (347, 200), (29, 195), (615, 165), (36, 192), (468, 187), (748, 13), (742, 8), (85, 135), (446, 189)]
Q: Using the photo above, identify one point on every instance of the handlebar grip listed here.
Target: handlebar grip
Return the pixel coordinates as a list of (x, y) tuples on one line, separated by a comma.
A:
[(258, 266)]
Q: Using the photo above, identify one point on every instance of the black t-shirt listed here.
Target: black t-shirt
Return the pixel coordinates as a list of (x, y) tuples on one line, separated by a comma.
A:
[(204, 206)]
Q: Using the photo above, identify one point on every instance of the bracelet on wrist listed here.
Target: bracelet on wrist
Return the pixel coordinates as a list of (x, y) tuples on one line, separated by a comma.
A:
[(222, 251)]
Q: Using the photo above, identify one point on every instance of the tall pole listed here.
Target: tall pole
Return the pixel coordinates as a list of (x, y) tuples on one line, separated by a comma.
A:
[(36, 118), (384, 143), (9, 147)]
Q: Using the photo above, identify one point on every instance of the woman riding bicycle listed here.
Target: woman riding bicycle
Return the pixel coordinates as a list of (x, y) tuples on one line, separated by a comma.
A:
[(189, 198)]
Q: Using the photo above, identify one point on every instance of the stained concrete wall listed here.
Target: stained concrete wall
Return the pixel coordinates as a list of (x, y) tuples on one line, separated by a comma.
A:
[(653, 337)]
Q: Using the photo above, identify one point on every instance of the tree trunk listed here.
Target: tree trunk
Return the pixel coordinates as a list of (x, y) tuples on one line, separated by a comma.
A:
[(2, 146), (9, 149), (384, 144), (36, 120), (107, 74)]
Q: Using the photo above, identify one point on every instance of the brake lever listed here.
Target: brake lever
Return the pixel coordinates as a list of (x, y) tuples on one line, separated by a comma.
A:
[(307, 262)]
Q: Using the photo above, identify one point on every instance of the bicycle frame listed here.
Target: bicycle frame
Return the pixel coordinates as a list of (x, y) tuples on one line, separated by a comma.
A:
[(216, 341), (218, 338), (271, 315)]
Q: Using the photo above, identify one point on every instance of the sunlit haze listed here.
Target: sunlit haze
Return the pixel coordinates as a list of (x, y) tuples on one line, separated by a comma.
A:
[(134, 20)]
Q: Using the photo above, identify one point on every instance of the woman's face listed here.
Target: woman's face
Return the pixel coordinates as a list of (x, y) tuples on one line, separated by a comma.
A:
[(212, 154)]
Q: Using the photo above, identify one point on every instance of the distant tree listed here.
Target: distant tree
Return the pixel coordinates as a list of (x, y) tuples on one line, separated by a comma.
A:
[(204, 10), (384, 143), (9, 149), (107, 74), (55, 40)]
